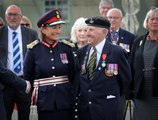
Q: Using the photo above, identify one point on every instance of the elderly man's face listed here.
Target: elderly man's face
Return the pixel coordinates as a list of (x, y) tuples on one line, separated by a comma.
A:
[(96, 35), (13, 17), (104, 9), (115, 19)]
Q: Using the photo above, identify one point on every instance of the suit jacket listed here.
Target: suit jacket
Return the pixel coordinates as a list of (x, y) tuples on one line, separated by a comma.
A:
[(137, 63), (28, 35), (125, 38), (8, 78), (98, 95)]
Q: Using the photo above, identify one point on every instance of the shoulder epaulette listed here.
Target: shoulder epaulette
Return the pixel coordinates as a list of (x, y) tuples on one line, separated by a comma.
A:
[(32, 44), (71, 44)]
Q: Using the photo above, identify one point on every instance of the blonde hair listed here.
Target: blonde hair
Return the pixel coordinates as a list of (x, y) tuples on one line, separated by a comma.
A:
[(148, 15), (28, 20), (79, 23)]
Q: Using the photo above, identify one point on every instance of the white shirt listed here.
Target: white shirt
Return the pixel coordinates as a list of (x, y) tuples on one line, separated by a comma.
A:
[(99, 48), (10, 49)]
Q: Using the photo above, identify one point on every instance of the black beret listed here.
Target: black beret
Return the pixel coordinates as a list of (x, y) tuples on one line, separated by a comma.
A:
[(98, 22), (50, 18)]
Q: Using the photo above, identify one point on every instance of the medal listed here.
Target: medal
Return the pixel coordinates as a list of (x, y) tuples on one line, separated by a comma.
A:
[(109, 73), (63, 57), (103, 64), (115, 69), (104, 56), (115, 72)]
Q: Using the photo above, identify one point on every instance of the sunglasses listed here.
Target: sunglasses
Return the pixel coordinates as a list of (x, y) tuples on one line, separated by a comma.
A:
[(25, 25), (1, 25)]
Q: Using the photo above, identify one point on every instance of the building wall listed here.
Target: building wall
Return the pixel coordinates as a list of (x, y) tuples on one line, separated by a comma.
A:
[(78, 8)]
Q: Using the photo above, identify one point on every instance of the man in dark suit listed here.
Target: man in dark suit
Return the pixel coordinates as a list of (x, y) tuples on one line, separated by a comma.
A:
[(13, 41), (106, 79), (121, 37), (117, 35), (8, 78)]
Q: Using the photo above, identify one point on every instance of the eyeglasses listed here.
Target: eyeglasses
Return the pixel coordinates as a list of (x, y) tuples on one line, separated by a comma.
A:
[(115, 18), (13, 14), (25, 25)]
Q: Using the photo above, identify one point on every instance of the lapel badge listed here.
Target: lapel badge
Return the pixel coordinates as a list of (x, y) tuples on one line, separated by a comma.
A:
[(140, 43), (63, 57), (75, 54)]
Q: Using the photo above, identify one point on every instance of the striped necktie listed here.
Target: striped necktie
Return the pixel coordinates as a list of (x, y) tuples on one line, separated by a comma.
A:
[(114, 36), (16, 54), (92, 63)]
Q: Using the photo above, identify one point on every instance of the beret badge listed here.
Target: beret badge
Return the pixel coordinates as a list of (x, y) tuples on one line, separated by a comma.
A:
[(91, 21)]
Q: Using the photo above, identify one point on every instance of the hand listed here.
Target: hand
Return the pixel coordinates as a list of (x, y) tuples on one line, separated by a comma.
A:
[(28, 88)]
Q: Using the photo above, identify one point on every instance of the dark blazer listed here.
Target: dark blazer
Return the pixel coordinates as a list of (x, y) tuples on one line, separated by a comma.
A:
[(99, 95), (136, 60), (125, 37), (8, 78), (28, 35)]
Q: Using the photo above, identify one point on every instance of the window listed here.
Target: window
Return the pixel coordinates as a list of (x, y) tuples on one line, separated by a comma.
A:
[(62, 5)]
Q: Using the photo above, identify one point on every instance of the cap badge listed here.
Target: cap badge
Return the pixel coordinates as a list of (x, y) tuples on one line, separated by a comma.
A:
[(91, 21), (58, 16)]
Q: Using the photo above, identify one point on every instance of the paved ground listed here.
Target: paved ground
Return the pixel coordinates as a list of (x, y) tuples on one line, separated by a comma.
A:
[(14, 117)]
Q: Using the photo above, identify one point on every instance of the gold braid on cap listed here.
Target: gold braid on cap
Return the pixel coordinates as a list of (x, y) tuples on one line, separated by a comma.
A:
[(58, 16)]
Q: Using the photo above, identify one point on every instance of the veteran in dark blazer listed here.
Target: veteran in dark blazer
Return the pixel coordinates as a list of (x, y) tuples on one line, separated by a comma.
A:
[(118, 35), (102, 85), (12, 53), (8, 78)]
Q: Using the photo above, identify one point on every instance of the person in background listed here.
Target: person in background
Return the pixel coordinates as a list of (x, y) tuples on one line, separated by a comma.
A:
[(8, 78), (105, 74), (105, 6), (1, 22), (144, 62), (49, 65), (25, 21), (121, 37), (118, 35), (13, 41), (79, 32)]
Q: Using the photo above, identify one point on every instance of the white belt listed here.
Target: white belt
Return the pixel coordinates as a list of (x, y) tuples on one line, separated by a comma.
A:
[(51, 81)]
